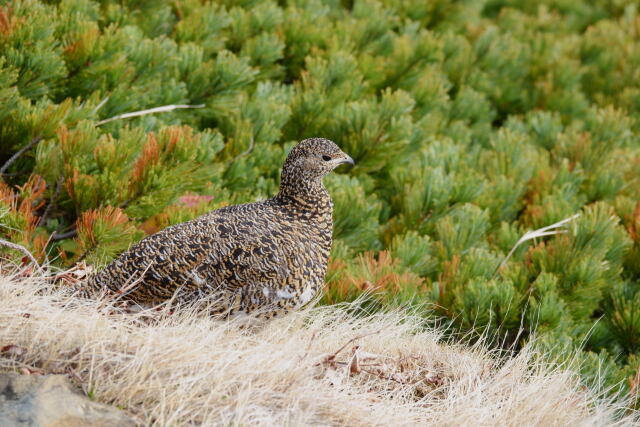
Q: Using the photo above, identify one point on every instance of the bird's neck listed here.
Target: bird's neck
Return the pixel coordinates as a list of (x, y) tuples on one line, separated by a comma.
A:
[(308, 194), (309, 202)]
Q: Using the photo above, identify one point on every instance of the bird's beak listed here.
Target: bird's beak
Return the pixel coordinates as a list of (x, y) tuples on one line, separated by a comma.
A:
[(346, 159)]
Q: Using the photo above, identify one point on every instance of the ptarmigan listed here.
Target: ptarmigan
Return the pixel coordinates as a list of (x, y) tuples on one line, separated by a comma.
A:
[(267, 257)]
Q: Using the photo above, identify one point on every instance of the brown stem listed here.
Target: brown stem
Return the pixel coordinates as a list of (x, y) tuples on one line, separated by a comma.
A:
[(66, 235), (52, 202), (20, 152)]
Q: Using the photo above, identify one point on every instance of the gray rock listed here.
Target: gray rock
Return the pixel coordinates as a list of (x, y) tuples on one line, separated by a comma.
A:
[(51, 401)]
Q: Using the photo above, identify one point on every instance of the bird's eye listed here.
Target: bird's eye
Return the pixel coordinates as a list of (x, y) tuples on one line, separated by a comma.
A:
[(326, 158)]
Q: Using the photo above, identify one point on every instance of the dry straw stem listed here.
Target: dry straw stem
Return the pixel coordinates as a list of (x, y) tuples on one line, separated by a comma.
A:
[(21, 249), (550, 230), (321, 366), (163, 109)]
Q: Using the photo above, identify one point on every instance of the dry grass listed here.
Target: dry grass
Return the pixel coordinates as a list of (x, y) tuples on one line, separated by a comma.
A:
[(322, 366)]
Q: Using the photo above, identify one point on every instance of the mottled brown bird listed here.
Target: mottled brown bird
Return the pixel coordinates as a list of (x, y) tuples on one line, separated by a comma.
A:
[(267, 257)]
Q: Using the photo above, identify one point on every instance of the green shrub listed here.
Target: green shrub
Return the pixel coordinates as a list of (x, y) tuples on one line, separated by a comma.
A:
[(470, 123)]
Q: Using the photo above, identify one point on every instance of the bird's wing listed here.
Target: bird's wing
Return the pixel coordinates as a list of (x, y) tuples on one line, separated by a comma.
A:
[(209, 255), (161, 263), (252, 259)]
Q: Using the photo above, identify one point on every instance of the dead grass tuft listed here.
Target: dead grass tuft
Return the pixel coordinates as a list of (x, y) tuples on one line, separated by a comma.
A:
[(322, 366)]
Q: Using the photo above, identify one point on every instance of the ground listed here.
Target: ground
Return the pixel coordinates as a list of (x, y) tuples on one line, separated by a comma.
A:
[(320, 366)]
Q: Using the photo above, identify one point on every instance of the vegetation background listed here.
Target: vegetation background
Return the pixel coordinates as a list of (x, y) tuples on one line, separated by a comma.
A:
[(471, 122)]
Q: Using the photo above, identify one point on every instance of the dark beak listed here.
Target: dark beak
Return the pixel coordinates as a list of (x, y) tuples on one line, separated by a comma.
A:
[(347, 159)]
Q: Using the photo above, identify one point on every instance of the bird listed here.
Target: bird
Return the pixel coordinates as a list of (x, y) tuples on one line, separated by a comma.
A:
[(261, 259)]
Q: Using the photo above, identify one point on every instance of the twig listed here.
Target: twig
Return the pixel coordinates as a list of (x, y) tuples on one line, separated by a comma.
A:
[(20, 152), (127, 288), (72, 275), (246, 152), (330, 358), (127, 202), (61, 236), (313, 337), (52, 202), (163, 109), (384, 376), (11, 174), (549, 230), (22, 249)]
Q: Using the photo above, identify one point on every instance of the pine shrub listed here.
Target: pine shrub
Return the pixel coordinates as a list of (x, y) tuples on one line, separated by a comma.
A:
[(470, 123)]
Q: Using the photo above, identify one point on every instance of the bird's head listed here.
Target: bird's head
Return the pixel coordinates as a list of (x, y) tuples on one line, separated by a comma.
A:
[(314, 158)]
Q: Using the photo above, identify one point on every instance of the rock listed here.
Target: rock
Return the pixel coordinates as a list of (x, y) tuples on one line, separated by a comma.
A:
[(51, 401)]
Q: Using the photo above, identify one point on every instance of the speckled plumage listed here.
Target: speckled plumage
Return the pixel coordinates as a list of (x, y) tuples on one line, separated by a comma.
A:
[(269, 256)]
